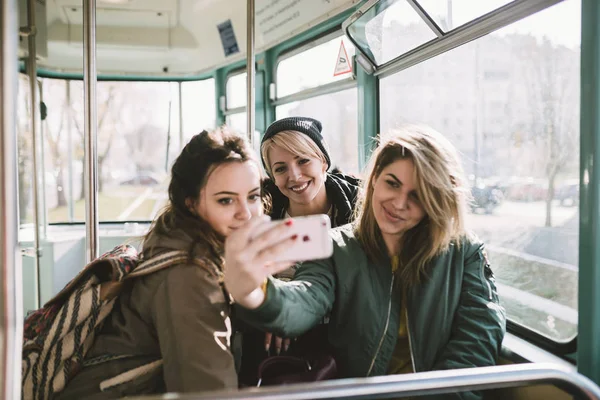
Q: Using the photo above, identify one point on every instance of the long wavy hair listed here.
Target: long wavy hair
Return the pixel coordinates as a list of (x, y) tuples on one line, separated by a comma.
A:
[(442, 191), (189, 174)]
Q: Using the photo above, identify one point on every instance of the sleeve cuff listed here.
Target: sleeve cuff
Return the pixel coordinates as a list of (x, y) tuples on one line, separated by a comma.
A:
[(264, 287)]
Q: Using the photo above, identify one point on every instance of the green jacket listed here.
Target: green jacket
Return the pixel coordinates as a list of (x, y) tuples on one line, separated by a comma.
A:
[(454, 317)]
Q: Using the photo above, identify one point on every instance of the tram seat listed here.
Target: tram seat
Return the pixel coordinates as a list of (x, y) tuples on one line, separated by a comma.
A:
[(531, 392)]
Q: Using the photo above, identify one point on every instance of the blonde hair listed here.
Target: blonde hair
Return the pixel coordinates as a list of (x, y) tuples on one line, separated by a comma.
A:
[(293, 141), (442, 192)]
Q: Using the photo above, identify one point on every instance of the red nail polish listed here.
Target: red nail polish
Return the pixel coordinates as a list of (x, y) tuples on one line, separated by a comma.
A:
[(294, 237), (288, 222), (306, 238)]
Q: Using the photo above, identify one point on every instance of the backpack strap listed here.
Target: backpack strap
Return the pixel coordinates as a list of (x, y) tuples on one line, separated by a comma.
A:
[(171, 258), (111, 289), (130, 375), (159, 262), (162, 261)]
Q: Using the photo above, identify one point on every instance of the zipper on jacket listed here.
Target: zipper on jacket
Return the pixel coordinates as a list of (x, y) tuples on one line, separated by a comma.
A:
[(412, 356), (486, 281), (387, 323)]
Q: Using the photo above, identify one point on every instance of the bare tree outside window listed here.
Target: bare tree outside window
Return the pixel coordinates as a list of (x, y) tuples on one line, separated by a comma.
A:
[(552, 94)]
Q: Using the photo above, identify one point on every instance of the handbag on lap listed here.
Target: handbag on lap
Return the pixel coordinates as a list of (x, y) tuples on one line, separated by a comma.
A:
[(309, 360)]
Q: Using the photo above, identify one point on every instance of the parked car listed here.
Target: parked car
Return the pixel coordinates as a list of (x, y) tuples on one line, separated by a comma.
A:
[(486, 198), (568, 194), (528, 190)]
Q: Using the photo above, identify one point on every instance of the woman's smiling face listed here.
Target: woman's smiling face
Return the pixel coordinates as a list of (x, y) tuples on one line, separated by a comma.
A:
[(299, 178), (396, 204), (230, 197)]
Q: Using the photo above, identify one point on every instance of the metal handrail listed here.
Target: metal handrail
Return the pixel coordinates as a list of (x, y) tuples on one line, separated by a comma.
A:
[(34, 104), (423, 383), (250, 71), (90, 130), (11, 297), (328, 88)]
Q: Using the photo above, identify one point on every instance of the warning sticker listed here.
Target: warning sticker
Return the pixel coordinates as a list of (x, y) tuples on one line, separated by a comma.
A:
[(342, 64)]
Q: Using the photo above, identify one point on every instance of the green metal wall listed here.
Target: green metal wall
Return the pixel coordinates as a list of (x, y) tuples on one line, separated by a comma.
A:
[(588, 340)]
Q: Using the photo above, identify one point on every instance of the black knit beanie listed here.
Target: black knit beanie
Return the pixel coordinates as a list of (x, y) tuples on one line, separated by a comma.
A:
[(309, 126)]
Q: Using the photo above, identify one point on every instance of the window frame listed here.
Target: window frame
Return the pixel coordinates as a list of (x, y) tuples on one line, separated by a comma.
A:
[(328, 88), (229, 112), (234, 110)]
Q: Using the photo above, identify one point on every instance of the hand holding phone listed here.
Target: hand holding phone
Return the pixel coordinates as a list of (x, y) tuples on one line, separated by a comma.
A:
[(312, 238), (262, 248)]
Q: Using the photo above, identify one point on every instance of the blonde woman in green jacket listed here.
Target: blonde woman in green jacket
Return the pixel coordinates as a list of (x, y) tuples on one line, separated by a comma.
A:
[(408, 289)]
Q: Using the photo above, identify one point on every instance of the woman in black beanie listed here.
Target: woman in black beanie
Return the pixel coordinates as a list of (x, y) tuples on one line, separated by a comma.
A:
[(296, 159)]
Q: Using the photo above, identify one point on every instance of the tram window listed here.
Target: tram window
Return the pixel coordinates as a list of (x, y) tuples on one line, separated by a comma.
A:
[(235, 90), (135, 122), (337, 112), (237, 122), (24, 152), (198, 104), (311, 68), (392, 31), (452, 14), (510, 102)]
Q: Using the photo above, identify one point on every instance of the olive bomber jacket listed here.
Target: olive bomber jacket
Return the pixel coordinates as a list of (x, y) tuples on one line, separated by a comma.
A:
[(454, 316)]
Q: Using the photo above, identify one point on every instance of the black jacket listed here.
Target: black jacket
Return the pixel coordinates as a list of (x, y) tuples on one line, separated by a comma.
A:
[(342, 192)]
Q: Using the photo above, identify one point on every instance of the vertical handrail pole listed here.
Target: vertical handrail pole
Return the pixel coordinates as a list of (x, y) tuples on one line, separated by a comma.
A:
[(250, 70), (91, 124), (71, 201), (11, 297), (42, 192), (181, 144), (34, 105)]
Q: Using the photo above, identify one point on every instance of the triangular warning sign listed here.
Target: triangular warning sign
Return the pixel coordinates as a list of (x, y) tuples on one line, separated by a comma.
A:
[(342, 64)]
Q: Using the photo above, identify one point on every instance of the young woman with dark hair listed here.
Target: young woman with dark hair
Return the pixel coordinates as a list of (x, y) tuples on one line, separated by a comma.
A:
[(171, 330)]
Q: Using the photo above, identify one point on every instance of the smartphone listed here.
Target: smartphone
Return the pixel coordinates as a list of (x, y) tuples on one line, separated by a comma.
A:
[(313, 242)]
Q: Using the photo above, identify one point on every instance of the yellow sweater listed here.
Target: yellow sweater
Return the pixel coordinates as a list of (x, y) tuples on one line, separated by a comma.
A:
[(401, 362)]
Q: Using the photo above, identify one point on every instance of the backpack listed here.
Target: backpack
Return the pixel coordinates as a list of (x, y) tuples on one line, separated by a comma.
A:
[(57, 337)]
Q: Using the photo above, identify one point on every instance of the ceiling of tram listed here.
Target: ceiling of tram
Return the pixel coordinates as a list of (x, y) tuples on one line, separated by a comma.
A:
[(177, 37)]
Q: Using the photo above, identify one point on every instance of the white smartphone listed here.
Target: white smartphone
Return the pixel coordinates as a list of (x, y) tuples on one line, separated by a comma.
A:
[(313, 242)]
